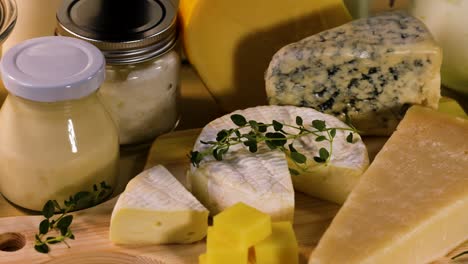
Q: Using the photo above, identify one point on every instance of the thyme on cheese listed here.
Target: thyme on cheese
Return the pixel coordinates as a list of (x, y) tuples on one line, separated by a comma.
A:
[(62, 222), (278, 139)]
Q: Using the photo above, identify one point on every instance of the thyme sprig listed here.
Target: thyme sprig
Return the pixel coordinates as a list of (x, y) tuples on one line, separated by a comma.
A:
[(278, 139), (62, 222)]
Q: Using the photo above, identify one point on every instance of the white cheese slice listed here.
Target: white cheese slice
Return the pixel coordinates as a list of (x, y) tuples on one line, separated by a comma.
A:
[(156, 209), (262, 179)]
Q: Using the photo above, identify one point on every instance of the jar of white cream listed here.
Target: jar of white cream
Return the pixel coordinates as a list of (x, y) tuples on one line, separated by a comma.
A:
[(137, 39), (56, 137)]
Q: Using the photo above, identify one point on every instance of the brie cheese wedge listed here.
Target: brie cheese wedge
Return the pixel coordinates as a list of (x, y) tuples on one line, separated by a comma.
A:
[(155, 208), (262, 179)]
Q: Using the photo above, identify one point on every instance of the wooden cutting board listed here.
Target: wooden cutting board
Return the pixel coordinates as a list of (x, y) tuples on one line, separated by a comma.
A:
[(91, 226)]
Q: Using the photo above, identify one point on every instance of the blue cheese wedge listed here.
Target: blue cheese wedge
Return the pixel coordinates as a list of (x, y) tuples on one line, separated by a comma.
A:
[(371, 69), (156, 209), (262, 179)]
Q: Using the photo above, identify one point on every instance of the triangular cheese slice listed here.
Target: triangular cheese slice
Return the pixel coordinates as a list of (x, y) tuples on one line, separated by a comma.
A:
[(155, 208), (411, 205)]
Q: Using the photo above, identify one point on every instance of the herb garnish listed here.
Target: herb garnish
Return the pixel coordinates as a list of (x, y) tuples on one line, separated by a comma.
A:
[(274, 140), (63, 221), (461, 254)]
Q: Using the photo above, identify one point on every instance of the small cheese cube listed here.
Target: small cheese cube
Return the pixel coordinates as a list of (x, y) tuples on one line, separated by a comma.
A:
[(280, 247), (243, 225), (451, 107), (202, 259), (220, 250)]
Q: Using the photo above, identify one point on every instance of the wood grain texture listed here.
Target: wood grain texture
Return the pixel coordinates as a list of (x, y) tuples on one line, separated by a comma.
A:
[(91, 226)]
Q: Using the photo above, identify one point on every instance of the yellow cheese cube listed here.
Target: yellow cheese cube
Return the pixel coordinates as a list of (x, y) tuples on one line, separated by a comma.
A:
[(450, 106), (243, 225), (202, 259), (280, 247), (222, 251)]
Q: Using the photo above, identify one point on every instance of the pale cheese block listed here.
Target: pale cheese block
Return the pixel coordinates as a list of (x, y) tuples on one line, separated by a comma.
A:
[(411, 205), (262, 180), (156, 209), (230, 43), (372, 69)]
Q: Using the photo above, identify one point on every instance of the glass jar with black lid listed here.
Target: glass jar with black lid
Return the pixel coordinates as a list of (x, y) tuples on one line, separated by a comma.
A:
[(142, 74)]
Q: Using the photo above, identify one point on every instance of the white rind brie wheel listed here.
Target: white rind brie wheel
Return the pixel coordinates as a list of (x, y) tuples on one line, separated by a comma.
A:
[(262, 179)]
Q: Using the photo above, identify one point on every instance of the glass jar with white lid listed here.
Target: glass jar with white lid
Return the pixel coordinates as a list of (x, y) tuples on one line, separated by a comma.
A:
[(56, 137), (142, 75)]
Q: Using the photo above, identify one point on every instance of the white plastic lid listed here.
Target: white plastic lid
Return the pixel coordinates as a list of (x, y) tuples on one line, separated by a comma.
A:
[(51, 69)]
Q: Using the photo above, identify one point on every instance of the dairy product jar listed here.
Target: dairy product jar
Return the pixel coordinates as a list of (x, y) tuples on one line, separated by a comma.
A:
[(56, 137), (137, 39)]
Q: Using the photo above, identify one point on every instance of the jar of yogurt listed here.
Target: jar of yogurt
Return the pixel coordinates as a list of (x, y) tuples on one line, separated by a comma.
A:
[(137, 39), (56, 137)]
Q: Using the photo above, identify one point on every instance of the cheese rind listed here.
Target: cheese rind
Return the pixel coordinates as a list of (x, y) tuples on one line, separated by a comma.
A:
[(371, 69), (156, 209), (262, 179), (411, 205)]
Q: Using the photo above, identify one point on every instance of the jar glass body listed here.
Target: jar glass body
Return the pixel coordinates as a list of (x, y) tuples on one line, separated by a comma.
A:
[(49, 151), (142, 97)]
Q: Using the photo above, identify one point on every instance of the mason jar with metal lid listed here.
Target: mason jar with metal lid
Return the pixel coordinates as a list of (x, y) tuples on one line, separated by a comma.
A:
[(142, 74)]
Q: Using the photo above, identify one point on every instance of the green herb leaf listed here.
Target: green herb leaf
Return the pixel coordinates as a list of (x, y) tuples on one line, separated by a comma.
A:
[(291, 148), (349, 138), (262, 127), (299, 121), (48, 209), (42, 248), (239, 120), (293, 172), (319, 125), (65, 222), (221, 135), (277, 126), (195, 158), (217, 154), (320, 138), (276, 138), (324, 154), (271, 145), (253, 124), (333, 132), (319, 160), (298, 157), (44, 227)]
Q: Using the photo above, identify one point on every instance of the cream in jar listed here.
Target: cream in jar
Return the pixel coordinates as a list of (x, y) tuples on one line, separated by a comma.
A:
[(137, 40), (56, 138)]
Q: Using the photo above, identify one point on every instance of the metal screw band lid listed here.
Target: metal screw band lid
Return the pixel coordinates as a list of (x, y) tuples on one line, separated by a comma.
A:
[(126, 31)]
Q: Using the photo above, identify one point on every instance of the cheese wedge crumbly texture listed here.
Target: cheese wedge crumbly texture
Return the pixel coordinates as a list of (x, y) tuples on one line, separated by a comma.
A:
[(411, 205), (371, 69), (262, 179), (155, 208)]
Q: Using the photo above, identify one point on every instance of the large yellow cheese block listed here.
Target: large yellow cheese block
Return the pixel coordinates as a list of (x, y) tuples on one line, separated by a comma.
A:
[(411, 205), (231, 43)]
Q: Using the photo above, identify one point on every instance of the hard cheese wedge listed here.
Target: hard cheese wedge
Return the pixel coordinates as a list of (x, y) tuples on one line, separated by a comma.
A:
[(243, 225), (156, 209), (280, 247), (221, 250), (262, 180), (370, 69), (230, 43), (411, 205)]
